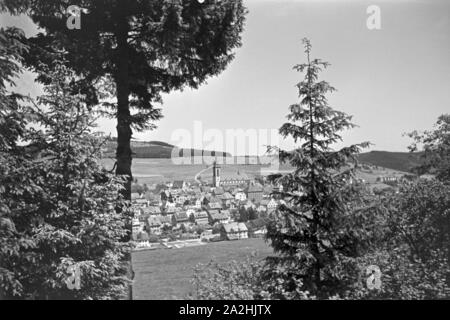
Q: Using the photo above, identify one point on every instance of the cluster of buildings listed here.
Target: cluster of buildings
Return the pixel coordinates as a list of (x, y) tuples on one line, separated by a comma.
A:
[(210, 212)]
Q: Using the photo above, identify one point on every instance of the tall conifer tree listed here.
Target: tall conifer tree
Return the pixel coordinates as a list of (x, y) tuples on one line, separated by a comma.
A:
[(312, 230)]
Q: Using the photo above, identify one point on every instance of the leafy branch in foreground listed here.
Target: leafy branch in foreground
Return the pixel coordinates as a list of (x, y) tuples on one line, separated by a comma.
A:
[(436, 149)]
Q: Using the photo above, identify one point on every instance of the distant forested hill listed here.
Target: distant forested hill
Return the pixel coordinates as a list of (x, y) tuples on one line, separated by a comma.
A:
[(159, 150), (401, 161)]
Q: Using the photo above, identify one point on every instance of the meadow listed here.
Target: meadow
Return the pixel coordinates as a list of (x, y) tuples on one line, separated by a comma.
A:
[(167, 274), (151, 171)]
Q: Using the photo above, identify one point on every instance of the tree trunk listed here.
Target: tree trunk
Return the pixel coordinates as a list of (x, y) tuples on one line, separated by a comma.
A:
[(124, 132), (123, 153)]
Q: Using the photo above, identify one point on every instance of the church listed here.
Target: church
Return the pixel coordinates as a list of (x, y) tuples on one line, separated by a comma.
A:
[(229, 179)]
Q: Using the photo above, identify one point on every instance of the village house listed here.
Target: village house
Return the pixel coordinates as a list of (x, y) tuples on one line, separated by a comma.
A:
[(227, 199), (141, 240), (388, 179), (198, 204), (218, 191), (234, 231), (257, 228), (154, 225), (143, 220), (135, 196), (195, 190), (166, 220), (181, 199), (215, 204), (179, 185), (272, 205), (190, 211), (209, 236), (240, 196), (180, 218), (261, 209), (152, 210), (215, 216), (200, 218), (141, 202), (170, 209), (255, 193), (267, 190), (136, 226)]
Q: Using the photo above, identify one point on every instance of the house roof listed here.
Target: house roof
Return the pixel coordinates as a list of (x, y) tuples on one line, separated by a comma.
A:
[(171, 209), (215, 205), (165, 219), (216, 215), (151, 210), (238, 176), (255, 188), (181, 216), (154, 221), (178, 184), (135, 195), (215, 200), (257, 224), (201, 215), (227, 196), (235, 227)]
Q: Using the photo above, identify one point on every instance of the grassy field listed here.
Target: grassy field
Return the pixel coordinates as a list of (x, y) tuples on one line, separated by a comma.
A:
[(165, 170), (167, 274)]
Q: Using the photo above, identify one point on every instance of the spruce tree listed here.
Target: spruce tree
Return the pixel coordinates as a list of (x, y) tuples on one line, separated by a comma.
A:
[(57, 208), (312, 230), (129, 53)]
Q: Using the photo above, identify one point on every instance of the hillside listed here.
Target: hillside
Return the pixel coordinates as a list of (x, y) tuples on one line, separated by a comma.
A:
[(401, 161), (160, 150)]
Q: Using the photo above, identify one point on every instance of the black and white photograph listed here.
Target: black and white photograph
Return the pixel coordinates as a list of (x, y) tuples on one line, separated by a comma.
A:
[(238, 151)]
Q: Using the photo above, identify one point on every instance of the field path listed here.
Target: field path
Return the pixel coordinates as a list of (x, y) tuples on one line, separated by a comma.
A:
[(196, 178)]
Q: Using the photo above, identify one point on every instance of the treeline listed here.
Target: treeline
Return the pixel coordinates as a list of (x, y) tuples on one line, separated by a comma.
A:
[(161, 150)]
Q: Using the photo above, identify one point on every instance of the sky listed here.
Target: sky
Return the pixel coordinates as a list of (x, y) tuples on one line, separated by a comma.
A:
[(392, 80)]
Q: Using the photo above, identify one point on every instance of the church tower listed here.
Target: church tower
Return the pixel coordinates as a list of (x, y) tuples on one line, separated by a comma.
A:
[(216, 175)]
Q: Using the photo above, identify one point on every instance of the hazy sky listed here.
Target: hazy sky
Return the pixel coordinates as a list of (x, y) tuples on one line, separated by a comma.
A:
[(392, 80)]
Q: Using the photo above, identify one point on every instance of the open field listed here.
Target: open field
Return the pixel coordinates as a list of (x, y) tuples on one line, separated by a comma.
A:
[(167, 274), (165, 170)]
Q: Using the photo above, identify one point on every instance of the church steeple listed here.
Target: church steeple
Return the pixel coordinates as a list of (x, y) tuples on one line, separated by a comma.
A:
[(216, 175)]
